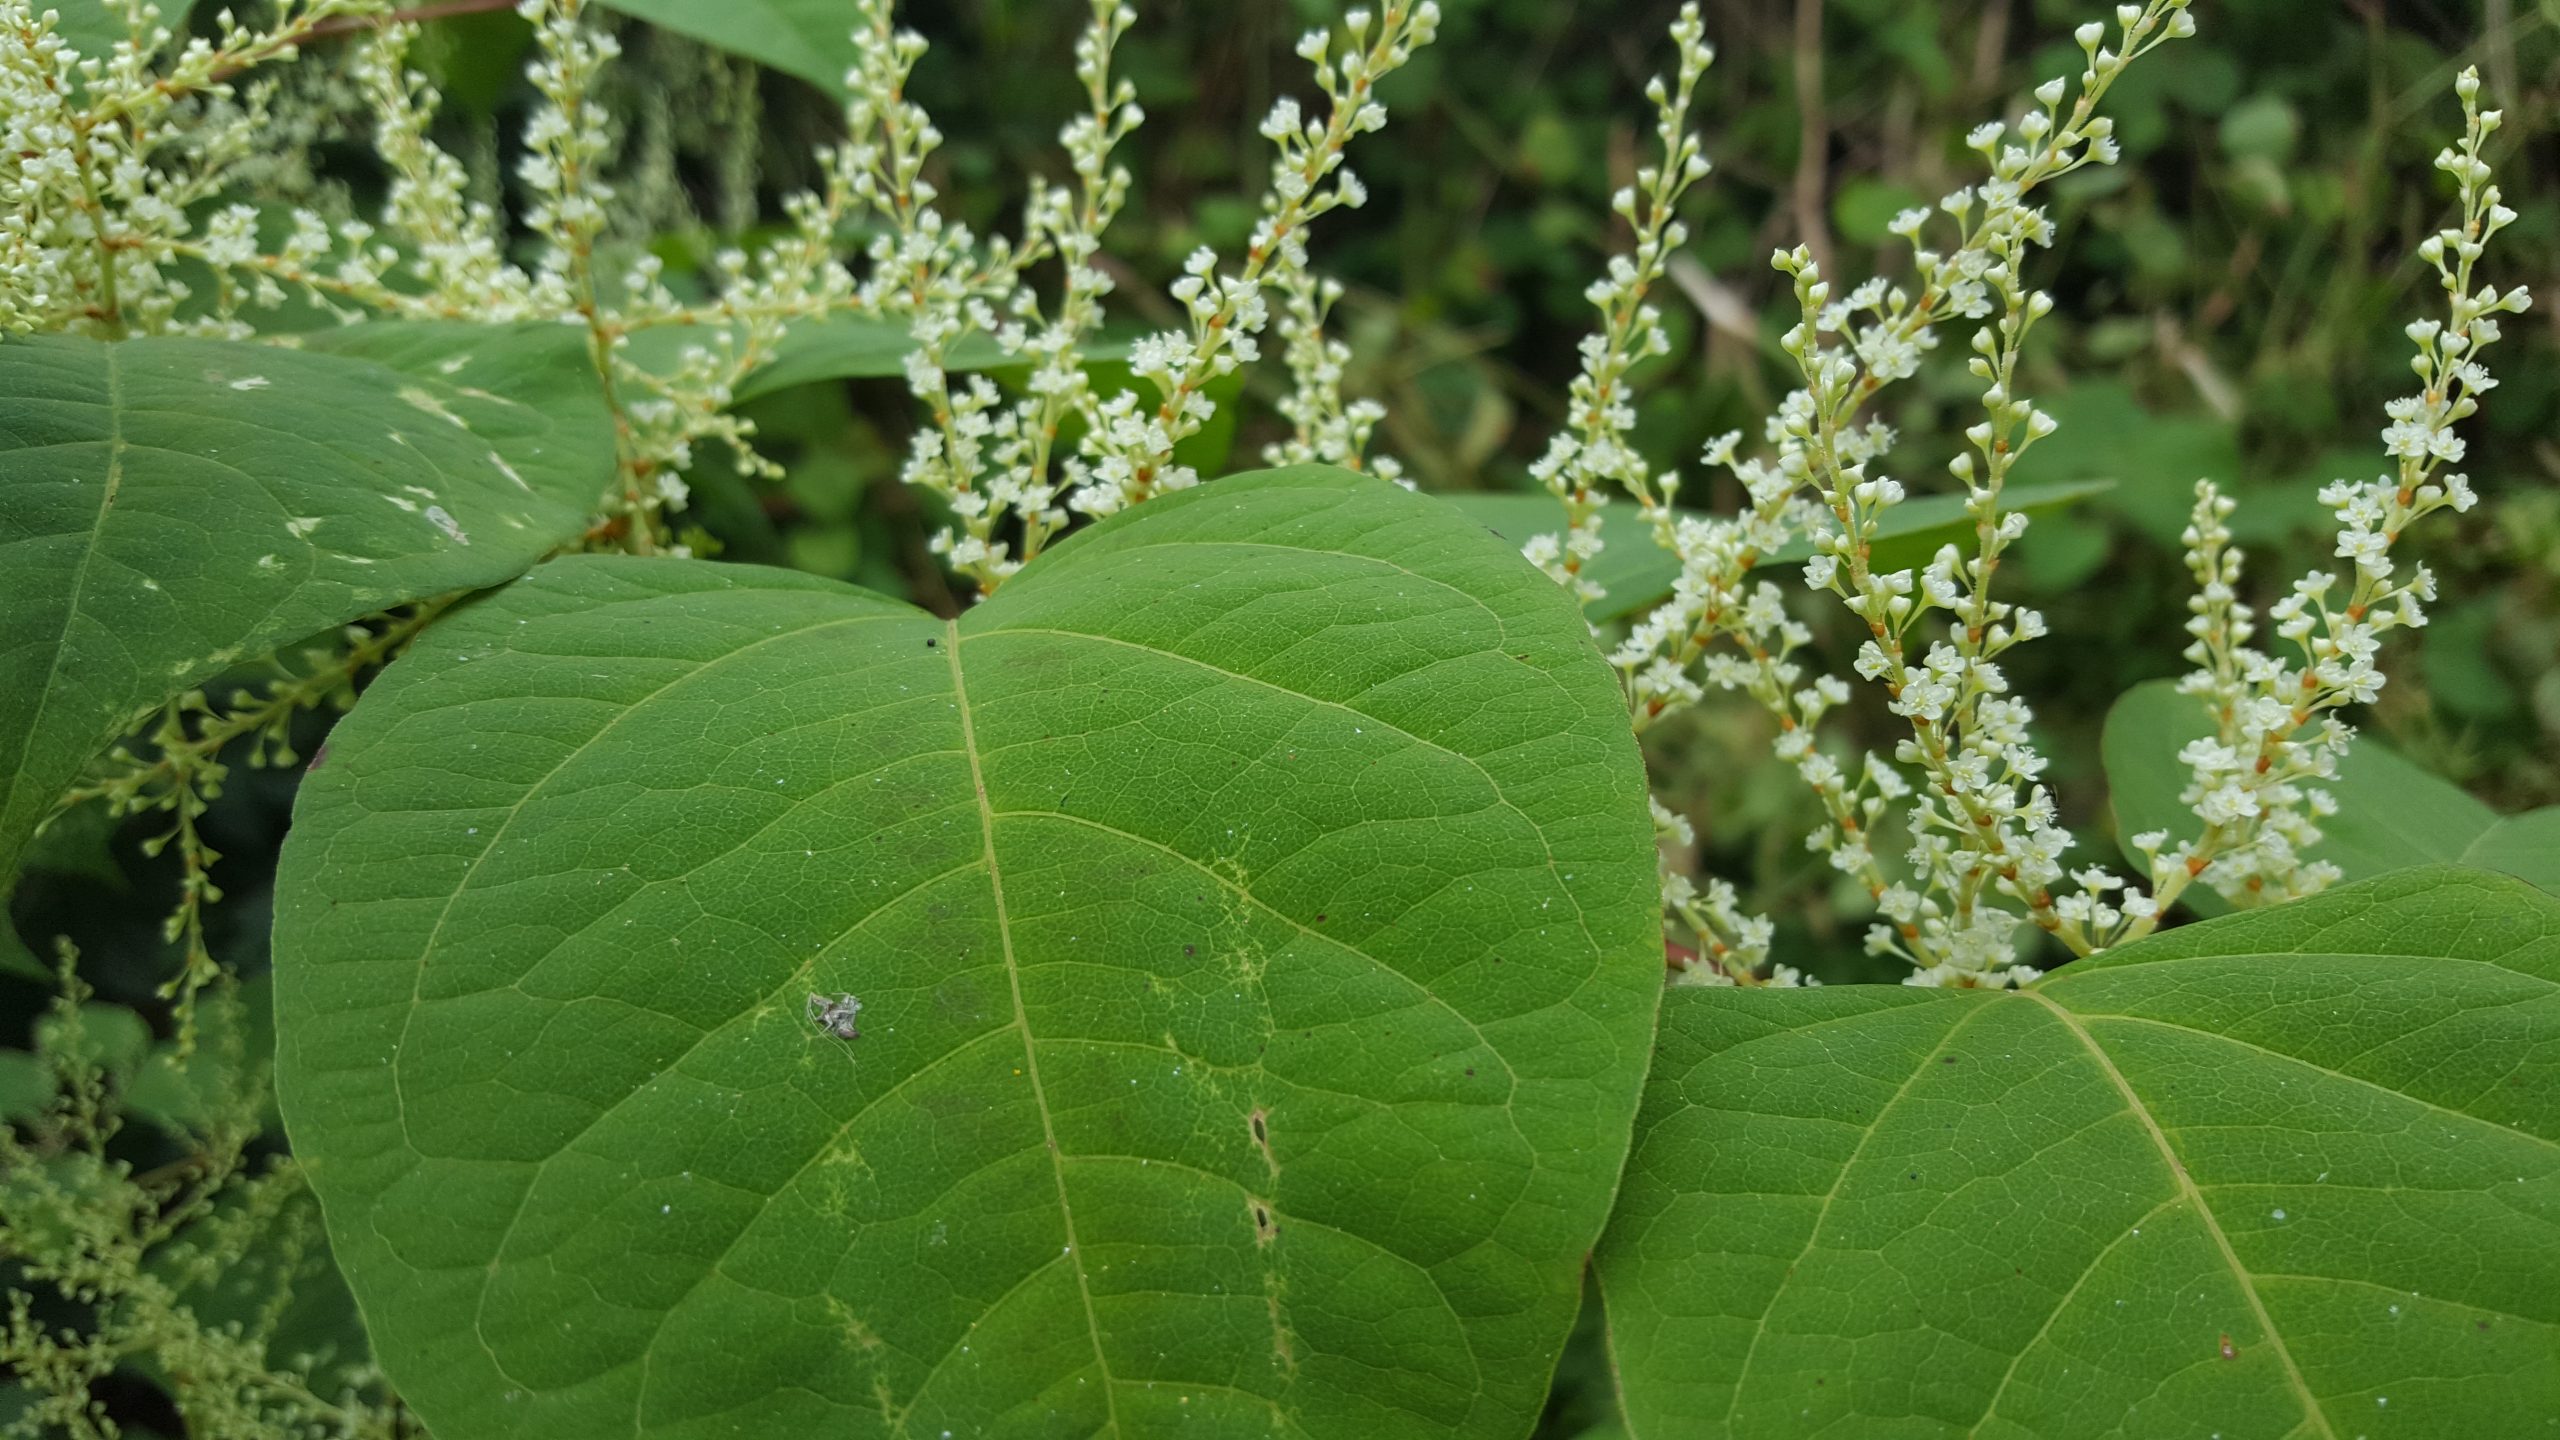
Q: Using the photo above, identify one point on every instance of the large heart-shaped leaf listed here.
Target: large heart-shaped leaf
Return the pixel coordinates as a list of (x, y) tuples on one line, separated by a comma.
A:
[(2291, 1173), (1252, 911), (2391, 814), (171, 507), (1637, 574)]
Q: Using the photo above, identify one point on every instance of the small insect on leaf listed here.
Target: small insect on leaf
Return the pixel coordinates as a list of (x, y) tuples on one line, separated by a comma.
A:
[(837, 1015), (2229, 1350)]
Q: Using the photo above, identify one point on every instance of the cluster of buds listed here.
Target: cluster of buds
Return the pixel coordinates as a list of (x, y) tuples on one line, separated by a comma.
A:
[(1128, 456), (1592, 454), (1983, 836), (103, 158), (2253, 783), (1325, 428)]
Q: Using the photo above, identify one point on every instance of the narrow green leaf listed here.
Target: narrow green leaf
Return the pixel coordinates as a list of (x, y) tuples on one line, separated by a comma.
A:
[(2294, 1173), (1253, 914), (26, 1087), (1638, 573), (812, 39), (170, 508), (2391, 814), (18, 960)]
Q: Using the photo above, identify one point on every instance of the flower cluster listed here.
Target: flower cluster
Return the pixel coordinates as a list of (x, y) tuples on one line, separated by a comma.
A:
[(1985, 850), (993, 458), (103, 156), (1982, 831), (1325, 428), (1592, 454), (989, 455), (1129, 455), (2276, 729)]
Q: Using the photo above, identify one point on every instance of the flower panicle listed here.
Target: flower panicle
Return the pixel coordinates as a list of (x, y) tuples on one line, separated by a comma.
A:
[(1593, 454), (2253, 785), (1983, 843), (1128, 454)]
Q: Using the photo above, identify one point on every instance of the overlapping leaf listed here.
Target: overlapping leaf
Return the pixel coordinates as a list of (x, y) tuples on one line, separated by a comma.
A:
[(812, 39), (1252, 913), (2289, 1174), (172, 507)]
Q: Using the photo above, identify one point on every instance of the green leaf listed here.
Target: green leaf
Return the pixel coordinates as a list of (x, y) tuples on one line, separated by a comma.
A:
[(171, 507), (2391, 814), (2526, 846), (80, 842), (812, 39), (857, 347), (2291, 1173), (1254, 916), (26, 1087), (235, 1045), (2155, 459), (94, 27), (1638, 573), (18, 960)]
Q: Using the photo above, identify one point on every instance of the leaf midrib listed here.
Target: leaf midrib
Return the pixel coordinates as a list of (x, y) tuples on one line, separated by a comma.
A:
[(1022, 1018), (2186, 1184)]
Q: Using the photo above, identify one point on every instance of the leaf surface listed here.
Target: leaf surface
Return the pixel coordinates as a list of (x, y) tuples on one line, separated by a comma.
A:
[(1252, 911), (172, 507), (2294, 1173), (858, 347), (812, 39)]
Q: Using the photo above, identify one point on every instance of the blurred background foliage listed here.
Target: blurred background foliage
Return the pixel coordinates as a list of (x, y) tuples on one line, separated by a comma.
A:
[(2231, 300)]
